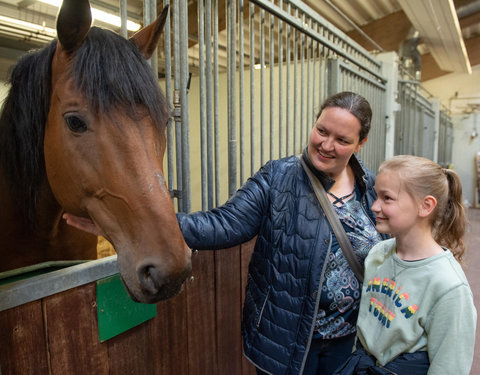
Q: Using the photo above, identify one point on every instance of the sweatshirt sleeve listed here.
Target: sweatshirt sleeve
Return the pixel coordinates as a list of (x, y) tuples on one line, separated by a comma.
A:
[(233, 223), (450, 329)]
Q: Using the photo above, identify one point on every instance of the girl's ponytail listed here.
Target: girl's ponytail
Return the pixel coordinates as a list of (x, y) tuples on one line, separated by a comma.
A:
[(451, 222)]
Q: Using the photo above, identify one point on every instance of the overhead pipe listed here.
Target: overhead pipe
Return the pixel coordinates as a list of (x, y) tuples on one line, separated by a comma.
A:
[(354, 25)]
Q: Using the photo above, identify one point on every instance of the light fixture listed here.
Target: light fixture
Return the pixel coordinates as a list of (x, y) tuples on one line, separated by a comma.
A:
[(100, 15), (31, 31)]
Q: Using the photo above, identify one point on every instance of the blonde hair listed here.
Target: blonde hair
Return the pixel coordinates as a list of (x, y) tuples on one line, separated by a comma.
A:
[(421, 177)]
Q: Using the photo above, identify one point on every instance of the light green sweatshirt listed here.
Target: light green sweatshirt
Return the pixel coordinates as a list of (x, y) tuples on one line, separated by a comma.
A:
[(408, 306)]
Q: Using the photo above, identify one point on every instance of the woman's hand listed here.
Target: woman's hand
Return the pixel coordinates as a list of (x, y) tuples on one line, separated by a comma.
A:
[(82, 223)]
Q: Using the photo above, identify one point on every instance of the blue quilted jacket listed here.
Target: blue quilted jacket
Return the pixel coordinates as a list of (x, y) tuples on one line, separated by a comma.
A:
[(286, 269)]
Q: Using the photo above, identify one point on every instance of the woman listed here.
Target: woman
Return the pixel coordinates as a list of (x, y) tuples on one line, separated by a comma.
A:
[(301, 300)]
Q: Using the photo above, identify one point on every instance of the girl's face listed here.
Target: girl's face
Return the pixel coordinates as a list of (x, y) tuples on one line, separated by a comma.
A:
[(396, 211), (333, 140)]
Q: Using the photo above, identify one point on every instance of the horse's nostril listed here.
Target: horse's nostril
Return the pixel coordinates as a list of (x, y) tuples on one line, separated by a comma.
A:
[(150, 278)]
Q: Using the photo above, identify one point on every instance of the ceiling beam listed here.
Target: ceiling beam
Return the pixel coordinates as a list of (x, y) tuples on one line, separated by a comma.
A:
[(470, 20), (431, 70), (389, 32)]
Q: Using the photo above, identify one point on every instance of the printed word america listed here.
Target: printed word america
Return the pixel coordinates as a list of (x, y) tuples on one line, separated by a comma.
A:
[(393, 293)]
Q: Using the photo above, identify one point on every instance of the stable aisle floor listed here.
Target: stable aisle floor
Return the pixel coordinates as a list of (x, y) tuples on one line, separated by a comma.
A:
[(472, 270)]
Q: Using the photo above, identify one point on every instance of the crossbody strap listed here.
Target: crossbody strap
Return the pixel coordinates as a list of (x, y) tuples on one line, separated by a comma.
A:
[(337, 227)]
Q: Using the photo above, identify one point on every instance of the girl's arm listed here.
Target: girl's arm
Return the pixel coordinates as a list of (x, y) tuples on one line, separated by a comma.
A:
[(451, 333)]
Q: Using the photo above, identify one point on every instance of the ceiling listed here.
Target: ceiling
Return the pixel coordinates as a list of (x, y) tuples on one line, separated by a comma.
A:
[(445, 32)]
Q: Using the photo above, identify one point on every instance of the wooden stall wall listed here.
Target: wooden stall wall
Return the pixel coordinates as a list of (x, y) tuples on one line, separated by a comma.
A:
[(195, 333)]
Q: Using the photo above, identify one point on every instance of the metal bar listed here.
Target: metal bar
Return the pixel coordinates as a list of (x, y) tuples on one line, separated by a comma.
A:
[(355, 26), (37, 287), (209, 96), (168, 96), (273, 9), (287, 99), (216, 117), (295, 88), (252, 89), (271, 59), (281, 141), (309, 84), (232, 67), (262, 86), (123, 19), (177, 103), (241, 104), (153, 16), (203, 129), (183, 17), (302, 87)]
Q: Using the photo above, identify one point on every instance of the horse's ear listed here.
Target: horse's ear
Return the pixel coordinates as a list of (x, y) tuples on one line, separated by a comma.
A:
[(73, 23), (146, 39)]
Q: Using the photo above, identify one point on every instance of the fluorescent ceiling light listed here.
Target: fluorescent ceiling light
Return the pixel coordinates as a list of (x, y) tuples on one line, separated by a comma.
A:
[(33, 27), (100, 15)]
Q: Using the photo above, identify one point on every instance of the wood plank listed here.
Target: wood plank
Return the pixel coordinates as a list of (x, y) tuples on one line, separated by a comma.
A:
[(72, 332), (157, 346), (228, 308), (202, 353), (246, 253), (22, 340), (171, 326)]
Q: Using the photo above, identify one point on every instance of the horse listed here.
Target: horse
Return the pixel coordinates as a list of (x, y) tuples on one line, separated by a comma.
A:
[(82, 131)]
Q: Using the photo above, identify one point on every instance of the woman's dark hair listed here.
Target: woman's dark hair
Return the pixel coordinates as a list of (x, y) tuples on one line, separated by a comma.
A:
[(355, 104)]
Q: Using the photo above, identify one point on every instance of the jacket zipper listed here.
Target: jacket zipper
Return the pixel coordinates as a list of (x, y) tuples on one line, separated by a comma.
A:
[(263, 306), (319, 292)]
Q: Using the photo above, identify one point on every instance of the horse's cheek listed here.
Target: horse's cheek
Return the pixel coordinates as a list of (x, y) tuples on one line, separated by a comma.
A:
[(61, 172)]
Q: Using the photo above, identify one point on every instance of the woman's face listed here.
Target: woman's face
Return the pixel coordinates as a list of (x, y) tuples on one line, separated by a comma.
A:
[(333, 140)]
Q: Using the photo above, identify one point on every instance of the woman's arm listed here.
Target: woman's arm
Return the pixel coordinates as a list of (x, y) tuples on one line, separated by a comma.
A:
[(233, 223)]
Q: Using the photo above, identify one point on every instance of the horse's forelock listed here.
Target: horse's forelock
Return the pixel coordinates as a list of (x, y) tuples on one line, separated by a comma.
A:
[(111, 73)]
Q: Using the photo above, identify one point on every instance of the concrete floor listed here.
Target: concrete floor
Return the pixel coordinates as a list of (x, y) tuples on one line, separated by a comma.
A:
[(472, 265)]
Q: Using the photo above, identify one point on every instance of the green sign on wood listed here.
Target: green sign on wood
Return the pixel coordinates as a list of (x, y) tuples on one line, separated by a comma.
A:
[(116, 311)]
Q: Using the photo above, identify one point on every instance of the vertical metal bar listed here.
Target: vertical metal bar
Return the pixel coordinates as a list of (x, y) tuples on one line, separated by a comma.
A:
[(241, 92), (147, 18), (216, 104), (281, 141), (168, 96), (271, 59), (153, 16), (262, 86), (252, 89), (177, 103), (302, 88), (232, 68), (287, 99), (314, 78), (209, 96), (309, 82), (296, 126), (203, 130), (183, 8), (123, 19)]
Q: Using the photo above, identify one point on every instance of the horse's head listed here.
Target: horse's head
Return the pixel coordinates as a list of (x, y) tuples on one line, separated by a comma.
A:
[(104, 145)]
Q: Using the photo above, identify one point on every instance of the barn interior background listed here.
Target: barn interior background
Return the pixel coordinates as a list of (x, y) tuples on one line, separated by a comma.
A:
[(245, 79)]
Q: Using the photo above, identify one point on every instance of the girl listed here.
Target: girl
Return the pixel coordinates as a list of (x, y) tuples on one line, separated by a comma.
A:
[(416, 314)]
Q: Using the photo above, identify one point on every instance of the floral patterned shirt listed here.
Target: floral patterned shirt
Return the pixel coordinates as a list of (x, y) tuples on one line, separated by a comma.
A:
[(340, 296)]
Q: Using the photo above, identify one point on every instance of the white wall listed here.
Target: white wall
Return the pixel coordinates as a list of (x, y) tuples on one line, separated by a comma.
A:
[(464, 148)]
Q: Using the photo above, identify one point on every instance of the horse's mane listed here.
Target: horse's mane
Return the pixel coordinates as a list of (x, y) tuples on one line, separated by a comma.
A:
[(108, 69)]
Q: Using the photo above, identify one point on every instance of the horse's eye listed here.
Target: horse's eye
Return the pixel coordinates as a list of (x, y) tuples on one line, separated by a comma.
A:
[(76, 124)]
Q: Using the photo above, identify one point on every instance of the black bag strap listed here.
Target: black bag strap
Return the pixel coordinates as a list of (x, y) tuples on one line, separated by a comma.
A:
[(337, 227)]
